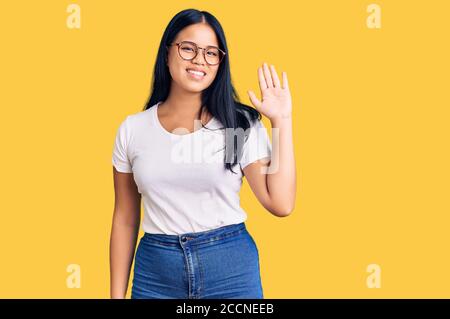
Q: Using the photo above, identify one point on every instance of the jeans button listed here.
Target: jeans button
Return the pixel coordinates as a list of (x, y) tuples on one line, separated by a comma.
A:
[(183, 239)]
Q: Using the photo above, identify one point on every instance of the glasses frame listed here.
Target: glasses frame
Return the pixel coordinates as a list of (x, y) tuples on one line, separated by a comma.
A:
[(196, 51)]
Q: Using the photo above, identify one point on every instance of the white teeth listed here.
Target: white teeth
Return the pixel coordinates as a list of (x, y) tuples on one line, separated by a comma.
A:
[(196, 72)]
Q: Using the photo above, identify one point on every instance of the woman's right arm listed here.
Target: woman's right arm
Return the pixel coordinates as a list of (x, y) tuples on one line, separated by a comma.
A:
[(124, 232)]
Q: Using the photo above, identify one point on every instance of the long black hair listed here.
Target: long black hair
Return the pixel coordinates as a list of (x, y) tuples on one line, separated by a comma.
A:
[(220, 98)]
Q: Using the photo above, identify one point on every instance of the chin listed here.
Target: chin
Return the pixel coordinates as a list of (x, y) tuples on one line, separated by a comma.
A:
[(196, 90), (195, 87)]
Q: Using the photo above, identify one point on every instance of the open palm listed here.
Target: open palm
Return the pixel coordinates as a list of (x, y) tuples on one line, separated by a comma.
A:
[(276, 98)]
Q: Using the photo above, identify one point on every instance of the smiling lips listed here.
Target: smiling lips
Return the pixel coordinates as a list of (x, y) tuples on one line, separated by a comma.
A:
[(196, 74)]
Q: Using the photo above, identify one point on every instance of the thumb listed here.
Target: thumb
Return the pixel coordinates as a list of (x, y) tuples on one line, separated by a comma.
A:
[(254, 99)]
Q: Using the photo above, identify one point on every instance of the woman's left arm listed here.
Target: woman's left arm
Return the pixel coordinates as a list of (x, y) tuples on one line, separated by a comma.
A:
[(274, 183)]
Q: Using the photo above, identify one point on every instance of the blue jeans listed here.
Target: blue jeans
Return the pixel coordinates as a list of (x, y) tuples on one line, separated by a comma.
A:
[(221, 263)]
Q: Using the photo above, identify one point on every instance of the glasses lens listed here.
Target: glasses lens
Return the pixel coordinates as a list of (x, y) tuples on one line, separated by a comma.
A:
[(213, 56), (187, 50)]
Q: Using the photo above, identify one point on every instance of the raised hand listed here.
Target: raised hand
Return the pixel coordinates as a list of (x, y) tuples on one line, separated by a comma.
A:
[(276, 98)]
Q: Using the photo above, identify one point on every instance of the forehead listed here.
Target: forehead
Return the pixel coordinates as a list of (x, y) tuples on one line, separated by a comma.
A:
[(199, 33)]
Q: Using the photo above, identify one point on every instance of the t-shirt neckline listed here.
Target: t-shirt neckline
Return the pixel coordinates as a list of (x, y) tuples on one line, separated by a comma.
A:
[(162, 129)]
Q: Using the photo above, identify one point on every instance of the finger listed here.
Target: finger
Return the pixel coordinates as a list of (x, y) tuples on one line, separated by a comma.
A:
[(285, 81), (254, 99), (262, 82), (276, 80), (267, 75)]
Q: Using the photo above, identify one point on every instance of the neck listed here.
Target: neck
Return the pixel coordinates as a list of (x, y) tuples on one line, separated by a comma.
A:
[(182, 104)]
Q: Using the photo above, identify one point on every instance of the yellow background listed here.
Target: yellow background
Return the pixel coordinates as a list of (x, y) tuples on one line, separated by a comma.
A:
[(371, 114)]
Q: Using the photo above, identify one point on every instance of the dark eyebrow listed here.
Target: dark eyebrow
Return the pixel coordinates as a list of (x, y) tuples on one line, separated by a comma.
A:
[(210, 45)]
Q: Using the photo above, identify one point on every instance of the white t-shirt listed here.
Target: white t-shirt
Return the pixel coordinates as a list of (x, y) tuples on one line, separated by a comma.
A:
[(182, 178)]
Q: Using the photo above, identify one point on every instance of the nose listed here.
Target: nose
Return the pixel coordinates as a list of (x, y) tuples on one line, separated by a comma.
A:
[(199, 57)]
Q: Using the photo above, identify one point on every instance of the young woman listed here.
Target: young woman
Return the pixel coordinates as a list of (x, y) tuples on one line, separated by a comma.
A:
[(186, 154)]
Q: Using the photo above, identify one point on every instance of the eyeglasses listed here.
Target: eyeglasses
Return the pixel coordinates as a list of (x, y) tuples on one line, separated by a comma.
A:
[(188, 51)]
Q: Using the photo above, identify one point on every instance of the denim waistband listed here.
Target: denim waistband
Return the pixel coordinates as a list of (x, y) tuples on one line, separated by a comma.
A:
[(198, 237)]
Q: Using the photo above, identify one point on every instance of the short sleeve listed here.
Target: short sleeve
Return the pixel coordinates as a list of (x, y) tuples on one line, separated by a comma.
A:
[(257, 146), (120, 158)]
